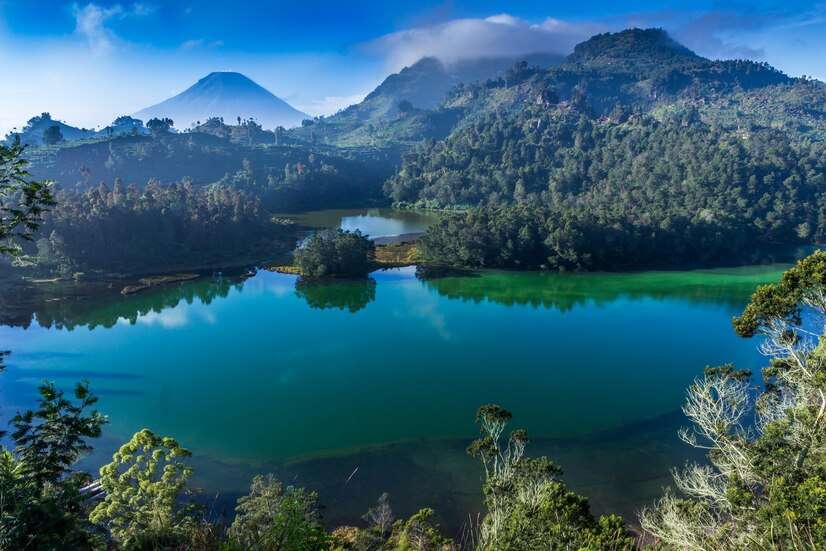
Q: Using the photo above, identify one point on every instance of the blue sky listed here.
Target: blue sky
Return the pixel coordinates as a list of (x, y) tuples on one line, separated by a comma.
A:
[(89, 62)]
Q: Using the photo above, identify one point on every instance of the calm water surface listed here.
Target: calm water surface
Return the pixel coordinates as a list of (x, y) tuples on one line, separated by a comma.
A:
[(377, 223), (354, 388)]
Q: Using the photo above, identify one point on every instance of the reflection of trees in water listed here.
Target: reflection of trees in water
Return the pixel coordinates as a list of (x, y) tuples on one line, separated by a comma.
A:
[(565, 291), (70, 305), (343, 294)]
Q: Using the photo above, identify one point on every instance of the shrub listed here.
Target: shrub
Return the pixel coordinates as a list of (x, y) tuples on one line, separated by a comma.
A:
[(277, 518)]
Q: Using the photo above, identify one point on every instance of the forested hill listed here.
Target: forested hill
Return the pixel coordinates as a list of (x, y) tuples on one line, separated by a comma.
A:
[(632, 152), (285, 177), (635, 151), (405, 107)]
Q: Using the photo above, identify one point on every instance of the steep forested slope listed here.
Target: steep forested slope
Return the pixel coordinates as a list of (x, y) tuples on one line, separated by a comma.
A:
[(406, 107), (635, 151)]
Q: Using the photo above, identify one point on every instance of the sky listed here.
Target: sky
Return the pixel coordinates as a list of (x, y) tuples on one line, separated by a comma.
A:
[(88, 62)]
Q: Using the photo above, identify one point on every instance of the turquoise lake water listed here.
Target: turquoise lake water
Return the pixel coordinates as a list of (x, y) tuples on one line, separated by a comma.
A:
[(354, 388)]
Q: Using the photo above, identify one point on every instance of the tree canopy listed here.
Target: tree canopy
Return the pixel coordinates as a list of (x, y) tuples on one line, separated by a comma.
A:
[(335, 253)]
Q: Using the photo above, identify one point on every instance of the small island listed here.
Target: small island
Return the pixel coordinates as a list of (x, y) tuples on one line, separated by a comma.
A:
[(320, 247), (335, 253)]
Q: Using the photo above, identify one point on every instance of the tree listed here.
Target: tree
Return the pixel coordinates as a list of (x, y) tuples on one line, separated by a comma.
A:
[(159, 126), (52, 135), (51, 438), (380, 518), (335, 253), (41, 499), (418, 533), (764, 484), (528, 506), (23, 201), (276, 518), (143, 485)]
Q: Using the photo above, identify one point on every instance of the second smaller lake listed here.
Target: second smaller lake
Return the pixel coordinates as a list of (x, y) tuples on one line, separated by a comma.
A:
[(376, 223)]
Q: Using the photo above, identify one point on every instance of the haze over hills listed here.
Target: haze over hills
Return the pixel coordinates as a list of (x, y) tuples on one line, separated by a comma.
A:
[(393, 112), (32, 133), (228, 95), (426, 83)]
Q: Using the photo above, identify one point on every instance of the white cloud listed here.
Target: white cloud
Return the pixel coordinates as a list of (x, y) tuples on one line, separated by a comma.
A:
[(496, 36), (201, 43), (190, 44), (91, 21), (330, 104), (142, 9)]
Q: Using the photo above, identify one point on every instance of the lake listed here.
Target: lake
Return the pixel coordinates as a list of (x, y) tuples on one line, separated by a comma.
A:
[(378, 223), (355, 388)]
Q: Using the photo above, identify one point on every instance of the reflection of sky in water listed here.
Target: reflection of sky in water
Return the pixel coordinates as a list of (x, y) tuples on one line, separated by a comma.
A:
[(380, 226), (376, 223), (174, 317)]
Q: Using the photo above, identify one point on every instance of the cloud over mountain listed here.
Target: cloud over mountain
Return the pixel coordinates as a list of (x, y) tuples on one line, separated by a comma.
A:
[(500, 35)]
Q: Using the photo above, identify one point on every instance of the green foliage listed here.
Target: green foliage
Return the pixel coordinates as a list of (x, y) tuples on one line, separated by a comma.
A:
[(159, 227), (782, 301), (51, 438), (418, 533), (159, 126), (275, 518), (143, 485), (763, 486), (623, 157), (529, 507), (283, 176), (52, 135), (41, 503), (572, 193), (335, 253), (48, 517), (23, 201)]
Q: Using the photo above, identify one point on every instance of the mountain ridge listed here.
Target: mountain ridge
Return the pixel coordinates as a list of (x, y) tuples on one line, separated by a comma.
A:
[(405, 106)]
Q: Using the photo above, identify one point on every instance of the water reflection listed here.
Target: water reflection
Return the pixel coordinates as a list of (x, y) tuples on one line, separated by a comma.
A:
[(563, 292), (98, 304), (350, 295), (377, 222), (92, 305)]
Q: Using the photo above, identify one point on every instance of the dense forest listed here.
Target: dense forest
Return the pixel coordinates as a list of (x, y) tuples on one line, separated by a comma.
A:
[(132, 230), (627, 155), (641, 194), (631, 152)]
